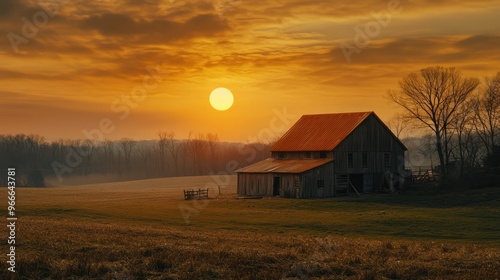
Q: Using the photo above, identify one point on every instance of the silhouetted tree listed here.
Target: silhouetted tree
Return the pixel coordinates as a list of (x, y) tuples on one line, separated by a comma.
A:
[(492, 160), (162, 151), (127, 146), (464, 135), (108, 148), (33, 157), (213, 145), (487, 112), (433, 97), (398, 124), (174, 149), (196, 146)]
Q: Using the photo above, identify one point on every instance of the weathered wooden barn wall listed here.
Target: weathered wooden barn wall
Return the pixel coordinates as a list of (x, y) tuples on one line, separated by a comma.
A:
[(288, 184), (303, 185), (311, 178), (261, 184), (374, 139), (255, 184)]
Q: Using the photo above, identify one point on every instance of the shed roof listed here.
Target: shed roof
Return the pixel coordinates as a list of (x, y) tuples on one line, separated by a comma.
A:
[(273, 165), (321, 132)]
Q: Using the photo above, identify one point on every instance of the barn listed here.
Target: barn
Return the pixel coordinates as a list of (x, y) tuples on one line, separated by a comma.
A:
[(328, 155)]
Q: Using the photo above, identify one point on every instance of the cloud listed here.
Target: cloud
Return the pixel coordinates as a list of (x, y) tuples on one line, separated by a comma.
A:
[(7, 7), (15, 8), (480, 43), (425, 50), (157, 30), (268, 11), (20, 75)]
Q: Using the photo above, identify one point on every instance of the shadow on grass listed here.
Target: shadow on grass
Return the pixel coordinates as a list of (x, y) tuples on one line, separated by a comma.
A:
[(424, 197)]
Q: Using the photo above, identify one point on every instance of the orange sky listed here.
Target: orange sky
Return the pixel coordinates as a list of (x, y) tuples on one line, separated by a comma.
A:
[(77, 64)]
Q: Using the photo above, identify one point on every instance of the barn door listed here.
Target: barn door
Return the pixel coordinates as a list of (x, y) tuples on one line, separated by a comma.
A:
[(296, 186), (357, 182), (276, 186)]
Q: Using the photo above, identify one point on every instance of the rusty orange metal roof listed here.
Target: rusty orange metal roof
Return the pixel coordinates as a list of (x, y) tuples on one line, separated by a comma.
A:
[(319, 132), (273, 165)]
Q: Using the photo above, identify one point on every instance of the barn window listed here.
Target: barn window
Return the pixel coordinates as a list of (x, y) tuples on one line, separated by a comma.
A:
[(322, 154), (350, 162), (321, 184), (387, 159), (281, 155), (365, 160)]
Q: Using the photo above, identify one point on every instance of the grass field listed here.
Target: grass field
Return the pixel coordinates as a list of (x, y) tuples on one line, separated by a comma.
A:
[(144, 229)]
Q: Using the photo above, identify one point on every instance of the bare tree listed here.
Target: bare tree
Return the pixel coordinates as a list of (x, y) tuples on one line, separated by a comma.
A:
[(213, 143), (183, 149), (196, 146), (146, 154), (463, 130), (433, 97), (127, 146), (162, 147), (109, 154), (57, 150), (174, 149), (487, 112), (33, 145), (194, 156), (428, 147), (398, 124), (89, 149)]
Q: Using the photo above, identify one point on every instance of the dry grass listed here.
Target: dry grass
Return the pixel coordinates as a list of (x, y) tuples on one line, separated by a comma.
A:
[(63, 249), (134, 230)]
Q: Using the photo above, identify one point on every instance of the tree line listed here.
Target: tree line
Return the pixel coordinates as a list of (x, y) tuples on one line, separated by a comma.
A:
[(201, 154), (461, 116)]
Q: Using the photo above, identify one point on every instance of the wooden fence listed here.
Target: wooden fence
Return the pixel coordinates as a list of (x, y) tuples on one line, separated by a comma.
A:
[(195, 194), (421, 174)]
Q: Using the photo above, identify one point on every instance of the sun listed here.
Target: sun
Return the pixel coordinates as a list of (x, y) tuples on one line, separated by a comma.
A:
[(221, 99)]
